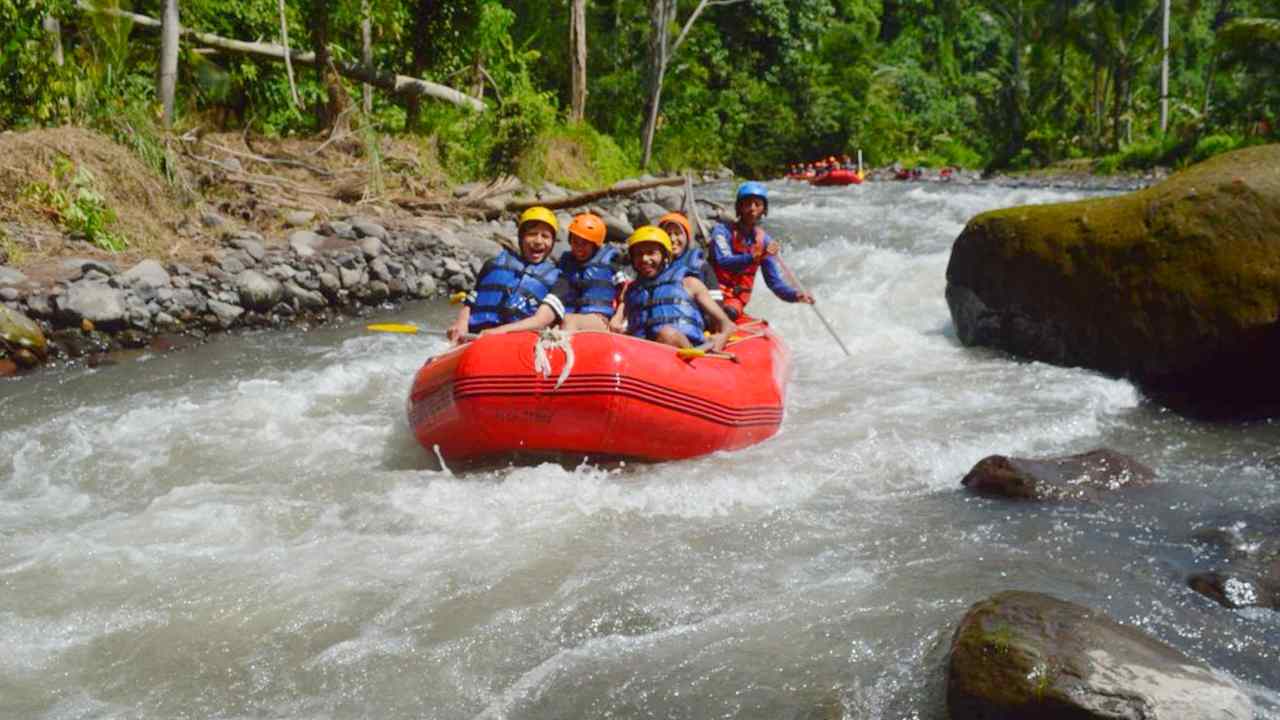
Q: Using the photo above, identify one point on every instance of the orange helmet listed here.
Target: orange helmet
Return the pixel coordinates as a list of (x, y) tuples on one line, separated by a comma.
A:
[(589, 227), (678, 219)]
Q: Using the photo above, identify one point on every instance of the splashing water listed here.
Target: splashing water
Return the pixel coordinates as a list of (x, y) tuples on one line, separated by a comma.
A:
[(248, 529)]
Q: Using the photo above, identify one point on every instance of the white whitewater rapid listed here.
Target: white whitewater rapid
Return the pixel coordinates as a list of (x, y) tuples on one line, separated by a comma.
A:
[(247, 529)]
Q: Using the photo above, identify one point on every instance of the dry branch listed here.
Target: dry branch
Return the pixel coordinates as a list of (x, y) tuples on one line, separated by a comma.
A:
[(402, 84), (269, 160), (626, 187)]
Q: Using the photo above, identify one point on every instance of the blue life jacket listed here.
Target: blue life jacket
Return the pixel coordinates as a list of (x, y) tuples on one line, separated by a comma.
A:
[(693, 258), (592, 281), (662, 300), (510, 290)]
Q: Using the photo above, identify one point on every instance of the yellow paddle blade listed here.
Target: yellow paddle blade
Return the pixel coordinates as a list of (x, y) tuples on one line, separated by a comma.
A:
[(693, 352), (393, 328)]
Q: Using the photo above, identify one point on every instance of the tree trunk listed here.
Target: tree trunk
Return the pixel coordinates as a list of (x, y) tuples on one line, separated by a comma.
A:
[(366, 41), (1219, 18), (54, 29), (578, 59), (477, 82), (328, 113), (1164, 67), (168, 81), (1016, 90), (381, 79), (1117, 103), (424, 12), (288, 62), (660, 14)]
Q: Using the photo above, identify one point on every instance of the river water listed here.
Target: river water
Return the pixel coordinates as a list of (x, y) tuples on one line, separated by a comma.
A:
[(247, 529)]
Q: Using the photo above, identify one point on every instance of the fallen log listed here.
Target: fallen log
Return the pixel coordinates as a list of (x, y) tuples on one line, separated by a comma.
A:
[(401, 84), (623, 187)]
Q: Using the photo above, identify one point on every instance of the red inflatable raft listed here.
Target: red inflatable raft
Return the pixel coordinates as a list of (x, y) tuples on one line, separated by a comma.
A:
[(838, 177), (623, 398)]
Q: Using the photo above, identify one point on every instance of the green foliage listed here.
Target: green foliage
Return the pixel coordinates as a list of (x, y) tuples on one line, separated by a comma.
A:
[(522, 115), (1211, 145), (576, 156), (78, 206), (33, 90), (11, 251), (754, 85)]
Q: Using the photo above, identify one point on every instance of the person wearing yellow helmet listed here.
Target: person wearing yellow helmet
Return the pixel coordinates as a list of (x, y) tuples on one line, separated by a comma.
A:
[(664, 303), (510, 287), (584, 296)]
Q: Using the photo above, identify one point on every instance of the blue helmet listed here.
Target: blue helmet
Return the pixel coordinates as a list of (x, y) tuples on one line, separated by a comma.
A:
[(751, 188)]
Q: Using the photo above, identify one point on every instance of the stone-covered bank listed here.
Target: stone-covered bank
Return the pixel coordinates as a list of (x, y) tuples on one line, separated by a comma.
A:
[(333, 269)]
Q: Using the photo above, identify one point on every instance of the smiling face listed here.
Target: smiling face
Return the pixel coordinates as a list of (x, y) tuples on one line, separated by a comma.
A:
[(582, 249), (750, 210), (678, 239), (536, 239), (648, 259)]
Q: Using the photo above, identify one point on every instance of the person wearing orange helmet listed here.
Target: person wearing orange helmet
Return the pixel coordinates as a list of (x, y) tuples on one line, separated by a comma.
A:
[(684, 252), (584, 296), (510, 287)]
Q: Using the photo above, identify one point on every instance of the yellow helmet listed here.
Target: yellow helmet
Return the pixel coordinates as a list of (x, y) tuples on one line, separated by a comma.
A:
[(649, 233), (539, 214)]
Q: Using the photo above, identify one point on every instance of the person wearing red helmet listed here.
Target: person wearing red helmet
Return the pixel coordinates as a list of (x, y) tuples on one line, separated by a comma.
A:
[(584, 297), (740, 249)]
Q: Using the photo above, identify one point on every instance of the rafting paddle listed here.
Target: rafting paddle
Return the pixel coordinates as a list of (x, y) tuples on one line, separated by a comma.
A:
[(796, 281), (690, 353), (405, 329)]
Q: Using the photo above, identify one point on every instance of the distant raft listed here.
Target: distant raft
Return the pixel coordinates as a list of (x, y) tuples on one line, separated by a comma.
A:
[(623, 397), (838, 177)]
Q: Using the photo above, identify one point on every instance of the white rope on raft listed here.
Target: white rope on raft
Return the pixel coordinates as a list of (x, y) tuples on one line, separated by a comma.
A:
[(552, 339)]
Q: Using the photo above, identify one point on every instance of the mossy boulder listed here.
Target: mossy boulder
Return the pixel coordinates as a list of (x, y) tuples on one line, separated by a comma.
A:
[(21, 339), (1176, 286), (1027, 655)]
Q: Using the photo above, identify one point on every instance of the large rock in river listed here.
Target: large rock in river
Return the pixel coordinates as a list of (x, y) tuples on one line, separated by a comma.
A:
[(1176, 286), (1085, 476), (1027, 655)]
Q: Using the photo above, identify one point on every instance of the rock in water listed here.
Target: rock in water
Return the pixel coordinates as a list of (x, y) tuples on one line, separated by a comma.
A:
[(1176, 286), (1072, 477), (1027, 655), (1249, 575), (19, 332)]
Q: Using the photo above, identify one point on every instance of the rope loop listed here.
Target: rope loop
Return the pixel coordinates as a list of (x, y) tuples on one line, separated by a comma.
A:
[(553, 339)]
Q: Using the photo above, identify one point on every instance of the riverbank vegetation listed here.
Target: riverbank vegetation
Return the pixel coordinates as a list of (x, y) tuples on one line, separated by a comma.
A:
[(585, 92)]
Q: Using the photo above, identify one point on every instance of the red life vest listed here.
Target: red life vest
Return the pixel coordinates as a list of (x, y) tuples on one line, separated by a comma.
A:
[(737, 286)]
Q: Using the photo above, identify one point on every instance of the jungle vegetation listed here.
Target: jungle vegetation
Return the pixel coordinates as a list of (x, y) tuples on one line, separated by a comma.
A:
[(667, 84)]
